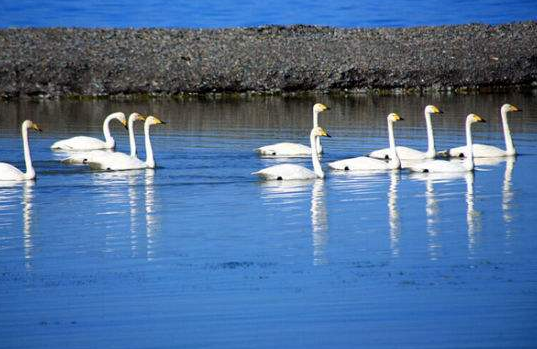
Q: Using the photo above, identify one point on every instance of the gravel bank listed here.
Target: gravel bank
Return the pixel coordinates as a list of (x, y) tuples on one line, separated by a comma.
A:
[(103, 62)]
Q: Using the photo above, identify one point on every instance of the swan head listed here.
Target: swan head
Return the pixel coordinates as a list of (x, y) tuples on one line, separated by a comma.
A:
[(136, 117), (509, 107), (319, 107), (431, 109), (475, 118), (393, 117), (319, 132), (29, 124), (153, 120)]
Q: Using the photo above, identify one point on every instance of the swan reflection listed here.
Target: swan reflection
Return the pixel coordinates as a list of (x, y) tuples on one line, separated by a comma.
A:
[(319, 222), (151, 221), (432, 211), (473, 217), (291, 196), (133, 210), (395, 225), (27, 198), (507, 190)]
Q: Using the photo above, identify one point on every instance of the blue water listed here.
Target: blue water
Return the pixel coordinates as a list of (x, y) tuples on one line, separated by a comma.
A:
[(240, 13), (199, 253)]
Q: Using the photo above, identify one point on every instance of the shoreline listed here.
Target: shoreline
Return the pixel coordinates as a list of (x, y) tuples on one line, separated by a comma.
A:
[(271, 60)]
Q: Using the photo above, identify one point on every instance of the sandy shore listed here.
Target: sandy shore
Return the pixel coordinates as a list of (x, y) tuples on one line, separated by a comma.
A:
[(108, 62)]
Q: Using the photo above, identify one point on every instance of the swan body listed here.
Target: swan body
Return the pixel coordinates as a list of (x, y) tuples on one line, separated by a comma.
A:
[(406, 153), (121, 161), (489, 151), (91, 143), (295, 149), (11, 173), (364, 163), (95, 155), (296, 172), (443, 166)]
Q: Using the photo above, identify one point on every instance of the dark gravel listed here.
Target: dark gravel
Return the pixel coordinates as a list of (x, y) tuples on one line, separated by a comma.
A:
[(101, 62)]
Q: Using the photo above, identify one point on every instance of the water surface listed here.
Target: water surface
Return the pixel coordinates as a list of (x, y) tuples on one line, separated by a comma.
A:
[(199, 253), (232, 13)]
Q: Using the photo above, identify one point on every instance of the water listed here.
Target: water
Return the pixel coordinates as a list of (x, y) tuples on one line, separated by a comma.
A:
[(232, 13), (199, 253)]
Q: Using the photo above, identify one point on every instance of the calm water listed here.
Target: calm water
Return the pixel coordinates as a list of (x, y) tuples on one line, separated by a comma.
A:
[(198, 253), (233, 13)]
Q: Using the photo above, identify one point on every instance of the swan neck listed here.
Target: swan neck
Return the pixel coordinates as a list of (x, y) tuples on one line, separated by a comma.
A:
[(431, 149), (106, 131), (395, 162), (132, 140), (150, 161), (469, 161), (509, 146), (316, 124), (315, 156), (30, 172)]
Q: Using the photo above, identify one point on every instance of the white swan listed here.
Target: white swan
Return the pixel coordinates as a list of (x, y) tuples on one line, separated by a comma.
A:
[(450, 166), (406, 153), (489, 151), (11, 173), (295, 149), (364, 163), (91, 143), (294, 172), (121, 161), (95, 155)]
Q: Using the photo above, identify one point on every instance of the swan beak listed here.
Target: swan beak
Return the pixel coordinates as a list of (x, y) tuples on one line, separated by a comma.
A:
[(327, 108), (478, 118), (513, 108), (440, 111), (37, 128), (400, 119)]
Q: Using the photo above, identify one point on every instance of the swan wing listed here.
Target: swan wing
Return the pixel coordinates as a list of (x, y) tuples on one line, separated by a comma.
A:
[(80, 143), (284, 149), (10, 173), (117, 162), (404, 153), (285, 172), (361, 163), (440, 166), (85, 157), (480, 151)]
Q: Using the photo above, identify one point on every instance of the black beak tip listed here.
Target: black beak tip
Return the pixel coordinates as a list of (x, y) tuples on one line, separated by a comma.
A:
[(39, 129), (440, 111), (163, 122), (327, 135), (401, 119), (519, 110)]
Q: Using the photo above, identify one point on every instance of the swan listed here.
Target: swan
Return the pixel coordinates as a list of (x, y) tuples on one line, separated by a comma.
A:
[(121, 161), (91, 143), (364, 163), (11, 173), (295, 149), (450, 166), (406, 153), (294, 172), (85, 157), (489, 151)]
